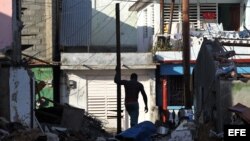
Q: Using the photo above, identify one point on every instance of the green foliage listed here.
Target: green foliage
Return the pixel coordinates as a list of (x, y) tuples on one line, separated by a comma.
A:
[(161, 46)]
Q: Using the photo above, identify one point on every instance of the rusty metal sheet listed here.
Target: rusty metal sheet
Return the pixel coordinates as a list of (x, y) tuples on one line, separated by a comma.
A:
[(241, 110)]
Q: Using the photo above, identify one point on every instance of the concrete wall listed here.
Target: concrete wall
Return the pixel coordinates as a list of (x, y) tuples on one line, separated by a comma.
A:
[(21, 96), (148, 19), (6, 37), (49, 28), (17, 93), (102, 61), (37, 31), (104, 24), (231, 93)]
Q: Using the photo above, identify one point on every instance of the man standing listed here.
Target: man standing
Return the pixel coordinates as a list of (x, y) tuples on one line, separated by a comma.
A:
[(132, 90)]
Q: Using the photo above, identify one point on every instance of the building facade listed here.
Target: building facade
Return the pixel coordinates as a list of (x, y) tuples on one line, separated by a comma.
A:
[(207, 19), (217, 91), (16, 81), (88, 68)]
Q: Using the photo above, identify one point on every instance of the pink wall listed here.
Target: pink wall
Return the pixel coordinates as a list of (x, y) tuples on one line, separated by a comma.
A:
[(5, 23)]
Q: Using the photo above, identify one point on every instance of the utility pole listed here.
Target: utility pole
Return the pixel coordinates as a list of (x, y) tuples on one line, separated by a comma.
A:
[(162, 16), (186, 53), (56, 54), (118, 61)]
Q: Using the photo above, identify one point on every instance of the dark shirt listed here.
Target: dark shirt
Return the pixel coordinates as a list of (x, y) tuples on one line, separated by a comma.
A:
[(132, 90)]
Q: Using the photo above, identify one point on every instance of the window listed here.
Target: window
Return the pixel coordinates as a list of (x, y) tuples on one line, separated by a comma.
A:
[(176, 90), (230, 21), (196, 14)]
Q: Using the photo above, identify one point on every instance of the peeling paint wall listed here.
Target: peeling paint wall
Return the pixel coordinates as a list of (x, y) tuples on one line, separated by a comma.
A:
[(20, 96)]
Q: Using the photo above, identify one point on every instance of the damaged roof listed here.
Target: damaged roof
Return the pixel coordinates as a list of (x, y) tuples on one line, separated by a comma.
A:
[(140, 4)]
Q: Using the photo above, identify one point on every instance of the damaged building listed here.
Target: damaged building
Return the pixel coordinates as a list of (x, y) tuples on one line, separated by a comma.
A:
[(220, 81), (57, 59), (16, 81)]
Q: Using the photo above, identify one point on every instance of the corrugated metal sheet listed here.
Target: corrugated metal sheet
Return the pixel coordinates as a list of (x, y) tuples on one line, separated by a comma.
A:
[(76, 23)]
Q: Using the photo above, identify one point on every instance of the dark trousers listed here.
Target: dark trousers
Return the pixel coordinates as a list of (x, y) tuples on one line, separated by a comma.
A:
[(133, 112)]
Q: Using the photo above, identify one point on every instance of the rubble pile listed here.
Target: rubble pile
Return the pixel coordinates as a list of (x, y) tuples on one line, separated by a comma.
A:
[(59, 123), (14, 131), (71, 124)]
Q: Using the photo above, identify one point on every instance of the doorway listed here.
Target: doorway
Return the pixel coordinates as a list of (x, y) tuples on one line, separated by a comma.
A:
[(229, 16)]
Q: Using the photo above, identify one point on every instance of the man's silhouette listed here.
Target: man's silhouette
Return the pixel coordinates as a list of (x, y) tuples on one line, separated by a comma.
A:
[(132, 90)]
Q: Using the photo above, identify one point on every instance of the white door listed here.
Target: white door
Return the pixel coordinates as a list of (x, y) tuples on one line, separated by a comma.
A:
[(102, 99)]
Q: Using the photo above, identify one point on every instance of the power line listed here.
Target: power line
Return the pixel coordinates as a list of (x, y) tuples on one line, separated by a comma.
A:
[(43, 20), (63, 14)]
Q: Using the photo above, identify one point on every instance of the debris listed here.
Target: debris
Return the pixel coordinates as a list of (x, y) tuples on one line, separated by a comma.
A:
[(52, 137), (242, 111), (140, 132), (56, 124), (75, 122), (217, 135), (162, 130), (81, 126), (184, 132)]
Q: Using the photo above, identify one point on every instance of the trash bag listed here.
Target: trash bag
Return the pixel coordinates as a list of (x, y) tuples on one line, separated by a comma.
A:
[(140, 132)]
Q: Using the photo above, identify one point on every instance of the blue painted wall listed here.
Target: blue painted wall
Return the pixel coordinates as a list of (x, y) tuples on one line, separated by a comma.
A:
[(173, 69)]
